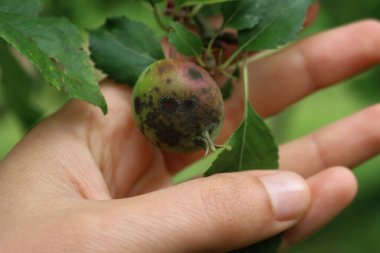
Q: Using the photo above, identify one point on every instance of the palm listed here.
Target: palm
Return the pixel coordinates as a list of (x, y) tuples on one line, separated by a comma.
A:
[(129, 164)]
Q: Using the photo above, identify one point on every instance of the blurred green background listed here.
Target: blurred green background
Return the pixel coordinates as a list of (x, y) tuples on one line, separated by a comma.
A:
[(356, 230)]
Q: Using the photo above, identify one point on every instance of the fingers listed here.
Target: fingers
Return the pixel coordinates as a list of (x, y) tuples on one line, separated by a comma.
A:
[(312, 64), (348, 142), (214, 214), (331, 190)]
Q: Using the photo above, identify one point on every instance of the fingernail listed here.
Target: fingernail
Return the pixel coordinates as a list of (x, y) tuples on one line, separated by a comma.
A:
[(288, 193)]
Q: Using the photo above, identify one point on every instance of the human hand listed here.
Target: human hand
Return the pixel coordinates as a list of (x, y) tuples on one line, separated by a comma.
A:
[(84, 182)]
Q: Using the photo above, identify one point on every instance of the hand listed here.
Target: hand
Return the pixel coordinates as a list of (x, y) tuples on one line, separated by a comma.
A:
[(82, 182)]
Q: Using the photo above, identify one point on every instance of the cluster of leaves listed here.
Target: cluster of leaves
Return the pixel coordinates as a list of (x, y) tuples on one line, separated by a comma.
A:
[(53, 45), (122, 48)]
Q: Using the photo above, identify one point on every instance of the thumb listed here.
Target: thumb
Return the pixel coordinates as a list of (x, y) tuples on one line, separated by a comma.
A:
[(219, 213)]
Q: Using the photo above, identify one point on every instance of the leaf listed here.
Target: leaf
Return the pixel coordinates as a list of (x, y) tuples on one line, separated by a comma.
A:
[(211, 10), (17, 87), (123, 48), (54, 47), (242, 14), (228, 87), (185, 41), (270, 245), (280, 23), (135, 35), (154, 1), (193, 2), (253, 147), (26, 7)]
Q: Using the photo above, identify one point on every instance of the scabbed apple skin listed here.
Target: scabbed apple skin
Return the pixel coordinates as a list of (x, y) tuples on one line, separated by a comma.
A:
[(174, 103)]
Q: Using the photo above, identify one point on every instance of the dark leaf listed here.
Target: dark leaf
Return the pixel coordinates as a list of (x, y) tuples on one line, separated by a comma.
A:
[(193, 2), (228, 87), (17, 87), (123, 48), (155, 1), (135, 35), (25, 7)]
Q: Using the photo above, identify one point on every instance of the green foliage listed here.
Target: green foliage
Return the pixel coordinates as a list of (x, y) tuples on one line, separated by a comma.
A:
[(123, 48), (193, 2), (24, 7), (280, 22), (228, 87), (252, 145), (54, 47), (154, 1), (16, 87), (135, 35), (243, 14), (185, 41)]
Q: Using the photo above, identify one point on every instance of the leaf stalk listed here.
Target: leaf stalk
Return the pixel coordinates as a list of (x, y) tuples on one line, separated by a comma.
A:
[(157, 16)]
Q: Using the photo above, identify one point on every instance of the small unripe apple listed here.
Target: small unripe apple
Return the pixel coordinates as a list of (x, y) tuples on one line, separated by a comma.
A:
[(178, 106)]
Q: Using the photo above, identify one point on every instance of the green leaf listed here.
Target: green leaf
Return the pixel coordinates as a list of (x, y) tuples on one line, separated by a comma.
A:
[(154, 1), (193, 2), (26, 7), (54, 47), (280, 23), (228, 87), (123, 48), (270, 245), (185, 41), (135, 35), (242, 14), (253, 147), (17, 87), (211, 10)]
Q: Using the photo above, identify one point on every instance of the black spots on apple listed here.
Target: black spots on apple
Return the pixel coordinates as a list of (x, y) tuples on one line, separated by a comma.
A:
[(175, 103)]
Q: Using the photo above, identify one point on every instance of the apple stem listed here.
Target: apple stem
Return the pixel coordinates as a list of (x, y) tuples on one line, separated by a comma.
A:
[(210, 145)]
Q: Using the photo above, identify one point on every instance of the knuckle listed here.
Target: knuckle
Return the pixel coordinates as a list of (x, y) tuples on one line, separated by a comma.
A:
[(372, 114)]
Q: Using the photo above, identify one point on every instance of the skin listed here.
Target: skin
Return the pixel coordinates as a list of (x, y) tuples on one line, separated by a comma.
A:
[(82, 182), (177, 105)]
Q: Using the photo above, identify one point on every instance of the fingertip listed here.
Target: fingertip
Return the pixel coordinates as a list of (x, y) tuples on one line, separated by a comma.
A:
[(348, 184), (289, 194), (332, 190)]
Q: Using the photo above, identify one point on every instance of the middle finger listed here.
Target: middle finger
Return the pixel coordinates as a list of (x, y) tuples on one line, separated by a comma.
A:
[(314, 63)]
